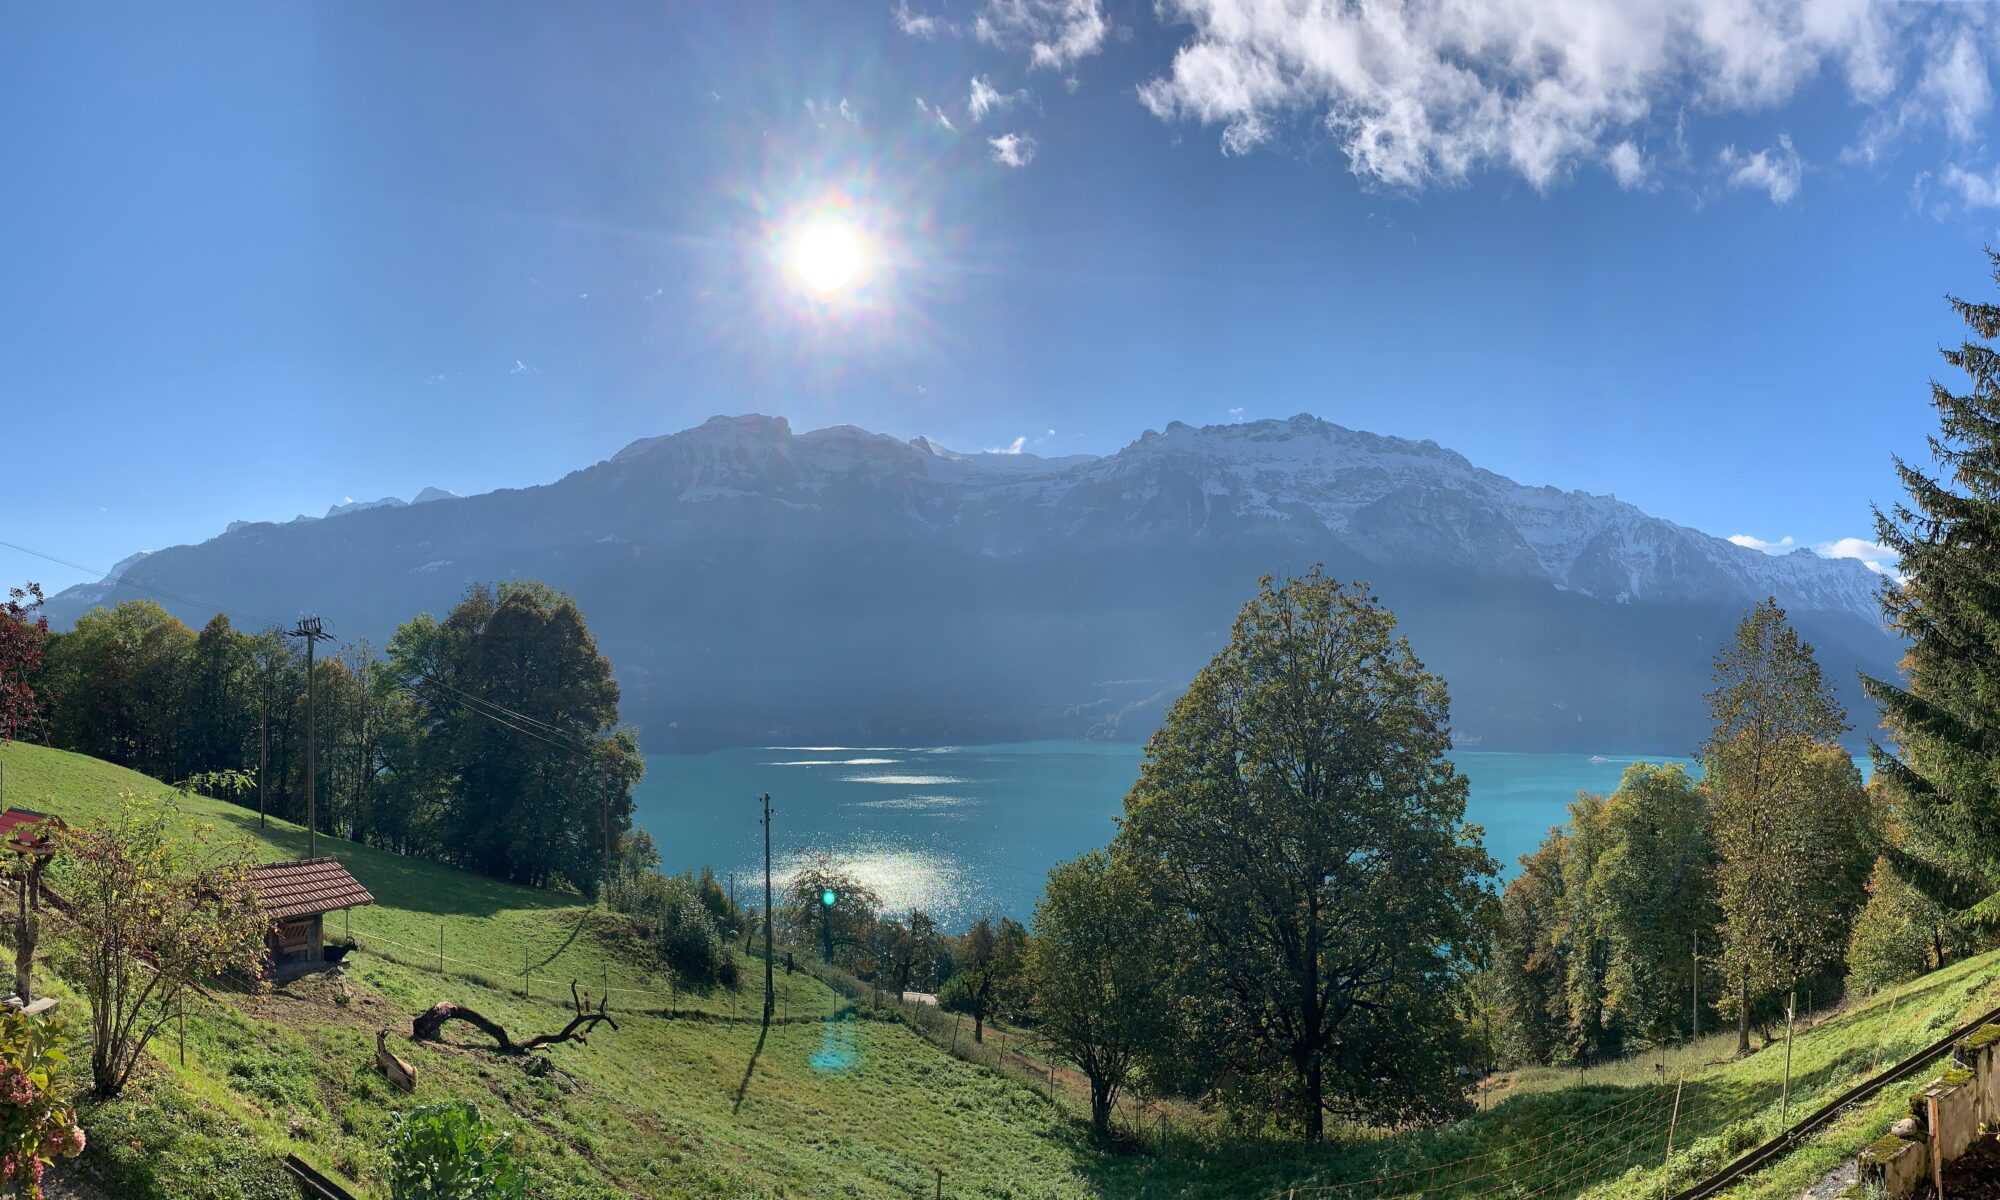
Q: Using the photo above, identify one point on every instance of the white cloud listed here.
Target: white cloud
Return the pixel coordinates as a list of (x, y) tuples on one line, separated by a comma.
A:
[(1975, 190), (1012, 149), (1013, 447), (1627, 165), (1245, 134), (1056, 33), (521, 368), (1235, 414), (1775, 169), (1424, 92), (1953, 89), (921, 25), (935, 116), (1874, 555), (986, 98)]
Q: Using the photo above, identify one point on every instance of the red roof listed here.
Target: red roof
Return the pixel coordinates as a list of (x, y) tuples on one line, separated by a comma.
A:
[(306, 888), (21, 822)]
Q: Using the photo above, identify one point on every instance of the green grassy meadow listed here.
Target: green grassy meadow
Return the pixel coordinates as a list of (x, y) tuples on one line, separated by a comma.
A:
[(844, 1098)]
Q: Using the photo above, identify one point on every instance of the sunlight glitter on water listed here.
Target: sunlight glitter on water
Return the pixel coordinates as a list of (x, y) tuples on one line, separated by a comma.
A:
[(902, 878), (904, 780), (916, 803), (836, 762)]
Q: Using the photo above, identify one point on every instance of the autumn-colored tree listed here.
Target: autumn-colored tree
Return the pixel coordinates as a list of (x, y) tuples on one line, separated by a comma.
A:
[(1527, 959), (23, 631), (153, 909), (1791, 823)]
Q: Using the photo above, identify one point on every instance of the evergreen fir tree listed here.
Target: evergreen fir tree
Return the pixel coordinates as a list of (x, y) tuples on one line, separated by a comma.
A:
[(1943, 778)]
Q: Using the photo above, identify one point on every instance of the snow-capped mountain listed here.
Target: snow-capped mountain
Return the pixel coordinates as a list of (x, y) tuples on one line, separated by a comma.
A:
[(1391, 499), (751, 583)]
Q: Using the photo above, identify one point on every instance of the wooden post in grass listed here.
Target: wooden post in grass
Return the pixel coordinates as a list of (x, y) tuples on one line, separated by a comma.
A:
[(440, 947), (1671, 1122), (1785, 1097), (940, 1182), (956, 1022)]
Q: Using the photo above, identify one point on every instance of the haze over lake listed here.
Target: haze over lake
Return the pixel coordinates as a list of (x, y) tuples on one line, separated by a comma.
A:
[(957, 830)]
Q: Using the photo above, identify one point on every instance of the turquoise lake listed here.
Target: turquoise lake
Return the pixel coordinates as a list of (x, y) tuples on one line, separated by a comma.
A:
[(961, 830)]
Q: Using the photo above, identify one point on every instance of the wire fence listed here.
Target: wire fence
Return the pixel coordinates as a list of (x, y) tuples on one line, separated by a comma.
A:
[(534, 981)]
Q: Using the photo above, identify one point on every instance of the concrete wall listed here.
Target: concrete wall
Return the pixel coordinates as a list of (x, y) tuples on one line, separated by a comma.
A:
[(1965, 1099)]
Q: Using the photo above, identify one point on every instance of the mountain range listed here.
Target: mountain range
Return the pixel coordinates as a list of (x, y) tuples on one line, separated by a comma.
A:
[(753, 585)]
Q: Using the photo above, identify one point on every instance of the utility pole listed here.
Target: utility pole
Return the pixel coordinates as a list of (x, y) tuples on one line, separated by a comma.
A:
[(768, 995), (311, 629)]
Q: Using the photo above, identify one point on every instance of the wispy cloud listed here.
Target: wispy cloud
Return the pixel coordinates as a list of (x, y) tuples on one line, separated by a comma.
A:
[(1013, 447), (985, 98), (1757, 543), (927, 26), (521, 368), (822, 111), (1056, 33), (935, 116), (1012, 149), (1775, 170), (1975, 189)]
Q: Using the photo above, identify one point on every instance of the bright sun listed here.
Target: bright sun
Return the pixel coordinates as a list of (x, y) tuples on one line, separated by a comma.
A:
[(827, 255)]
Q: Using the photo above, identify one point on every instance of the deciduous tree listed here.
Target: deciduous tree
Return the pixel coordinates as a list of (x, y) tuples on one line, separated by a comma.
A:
[(1097, 967), (23, 631), (1298, 819), (154, 909)]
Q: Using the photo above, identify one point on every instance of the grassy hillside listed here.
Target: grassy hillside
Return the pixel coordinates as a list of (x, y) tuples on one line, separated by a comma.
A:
[(684, 1100)]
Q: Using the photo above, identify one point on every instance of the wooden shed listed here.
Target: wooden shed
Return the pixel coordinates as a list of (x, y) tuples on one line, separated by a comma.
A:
[(296, 897)]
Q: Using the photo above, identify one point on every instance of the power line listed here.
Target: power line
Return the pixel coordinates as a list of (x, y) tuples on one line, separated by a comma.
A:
[(157, 591)]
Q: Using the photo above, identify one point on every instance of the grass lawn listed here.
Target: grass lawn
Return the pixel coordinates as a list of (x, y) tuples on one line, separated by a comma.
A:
[(842, 1100)]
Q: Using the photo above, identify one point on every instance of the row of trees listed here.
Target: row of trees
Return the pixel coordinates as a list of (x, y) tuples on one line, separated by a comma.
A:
[(489, 739), (1750, 880)]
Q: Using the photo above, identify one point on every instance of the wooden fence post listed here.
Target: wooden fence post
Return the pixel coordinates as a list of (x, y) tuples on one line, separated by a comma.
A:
[(1671, 1122)]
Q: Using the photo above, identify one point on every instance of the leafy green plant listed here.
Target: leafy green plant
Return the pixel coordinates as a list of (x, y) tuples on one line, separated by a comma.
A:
[(447, 1151), (36, 1124)]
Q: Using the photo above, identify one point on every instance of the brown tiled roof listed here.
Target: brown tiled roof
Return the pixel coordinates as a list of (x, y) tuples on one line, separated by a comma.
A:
[(305, 888)]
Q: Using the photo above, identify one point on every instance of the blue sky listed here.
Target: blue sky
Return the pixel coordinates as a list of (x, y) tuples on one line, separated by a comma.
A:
[(258, 259)]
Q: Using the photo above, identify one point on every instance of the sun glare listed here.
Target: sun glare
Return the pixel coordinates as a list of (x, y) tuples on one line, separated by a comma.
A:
[(827, 255)]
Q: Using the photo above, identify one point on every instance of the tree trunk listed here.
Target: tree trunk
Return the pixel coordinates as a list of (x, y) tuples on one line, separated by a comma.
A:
[(1316, 1101), (1100, 1110), (978, 1024), (1743, 1020)]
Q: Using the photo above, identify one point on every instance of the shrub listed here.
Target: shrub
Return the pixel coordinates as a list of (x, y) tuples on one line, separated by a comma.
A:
[(672, 914), (36, 1125), (447, 1151)]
